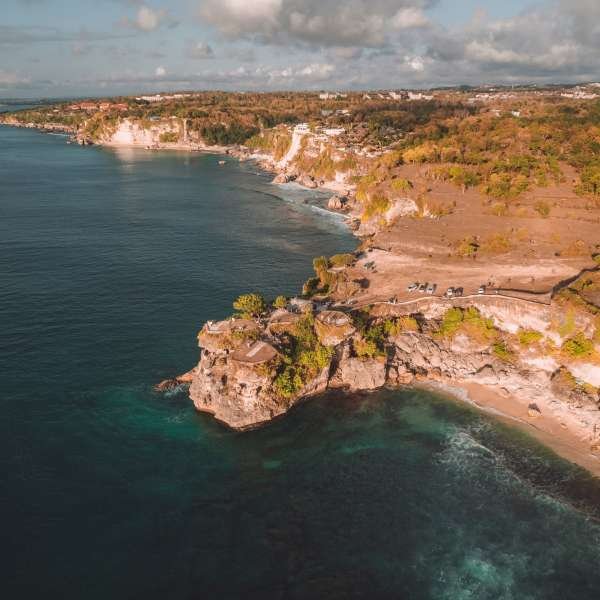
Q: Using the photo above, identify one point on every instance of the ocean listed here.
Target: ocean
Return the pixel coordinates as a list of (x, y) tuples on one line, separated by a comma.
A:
[(110, 262)]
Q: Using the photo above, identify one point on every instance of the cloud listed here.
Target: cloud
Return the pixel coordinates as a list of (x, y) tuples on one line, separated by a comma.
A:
[(160, 72), (199, 50), (10, 79), (149, 19), (364, 23)]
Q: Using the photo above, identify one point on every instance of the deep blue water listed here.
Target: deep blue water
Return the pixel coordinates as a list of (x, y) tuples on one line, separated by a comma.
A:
[(109, 264)]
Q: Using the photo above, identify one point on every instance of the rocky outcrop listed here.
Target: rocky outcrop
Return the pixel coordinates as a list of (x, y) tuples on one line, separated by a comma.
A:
[(242, 394), (360, 374), (337, 203)]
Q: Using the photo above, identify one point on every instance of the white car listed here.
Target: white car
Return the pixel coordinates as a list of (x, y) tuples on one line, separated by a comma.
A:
[(481, 289), (431, 289), (422, 288), (413, 286), (449, 292)]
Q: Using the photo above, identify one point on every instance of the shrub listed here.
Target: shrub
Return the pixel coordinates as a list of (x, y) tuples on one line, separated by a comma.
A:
[(543, 208), (365, 348), (470, 321), (401, 185), (168, 137), (467, 247), (280, 302), (527, 337), (578, 347), (393, 327), (305, 358), (341, 260), (501, 350), (451, 322), (378, 205), (250, 305)]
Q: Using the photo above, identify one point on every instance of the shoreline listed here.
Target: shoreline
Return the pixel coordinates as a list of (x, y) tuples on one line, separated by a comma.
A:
[(507, 408), (513, 411)]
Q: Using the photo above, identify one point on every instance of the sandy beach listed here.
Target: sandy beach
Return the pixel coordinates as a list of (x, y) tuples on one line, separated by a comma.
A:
[(546, 428)]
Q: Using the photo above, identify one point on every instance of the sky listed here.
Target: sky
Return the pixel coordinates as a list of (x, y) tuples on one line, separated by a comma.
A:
[(66, 48)]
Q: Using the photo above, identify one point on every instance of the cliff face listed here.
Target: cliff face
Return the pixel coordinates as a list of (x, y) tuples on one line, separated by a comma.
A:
[(244, 395)]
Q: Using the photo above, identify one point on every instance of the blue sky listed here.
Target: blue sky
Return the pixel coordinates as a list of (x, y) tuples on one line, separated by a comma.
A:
[(103, 47)]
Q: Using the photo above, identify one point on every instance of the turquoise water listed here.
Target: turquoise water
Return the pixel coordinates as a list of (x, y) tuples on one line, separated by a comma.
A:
[(109, 263)]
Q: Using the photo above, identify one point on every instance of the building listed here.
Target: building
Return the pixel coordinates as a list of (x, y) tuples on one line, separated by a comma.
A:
[(255, 353)]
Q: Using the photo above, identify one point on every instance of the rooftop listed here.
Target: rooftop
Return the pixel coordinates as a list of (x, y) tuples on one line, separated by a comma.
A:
[(255, 353)]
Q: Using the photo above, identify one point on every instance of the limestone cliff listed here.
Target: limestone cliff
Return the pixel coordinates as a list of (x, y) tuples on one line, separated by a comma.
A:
[(247, 379)]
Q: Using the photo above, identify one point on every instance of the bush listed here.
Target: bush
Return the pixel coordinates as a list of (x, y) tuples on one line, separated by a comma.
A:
[(168, 137), (470, 321), (527, 337), (365, 348), (401, 185), (280, 302), (501, 350), (543, 209), (578, 347), (342, 260), (467, 247), (250, 305), (393, 327), (305, 358)]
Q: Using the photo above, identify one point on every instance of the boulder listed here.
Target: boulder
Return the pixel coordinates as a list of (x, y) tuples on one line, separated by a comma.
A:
[(360, 374), (337, 203)]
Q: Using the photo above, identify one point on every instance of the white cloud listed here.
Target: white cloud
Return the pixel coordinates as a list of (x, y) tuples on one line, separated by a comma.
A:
[(407, 18), (364, 23), (148, 19), (199, 50), (9, 79), (160, 72)]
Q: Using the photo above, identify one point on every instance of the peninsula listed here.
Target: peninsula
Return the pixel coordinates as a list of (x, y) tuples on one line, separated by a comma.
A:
[(477, 270)]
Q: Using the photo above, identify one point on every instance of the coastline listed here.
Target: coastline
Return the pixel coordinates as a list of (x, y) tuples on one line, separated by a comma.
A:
[(513, 411), (546, 427)]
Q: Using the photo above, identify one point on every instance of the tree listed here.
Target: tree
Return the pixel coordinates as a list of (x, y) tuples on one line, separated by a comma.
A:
[(250, 305)]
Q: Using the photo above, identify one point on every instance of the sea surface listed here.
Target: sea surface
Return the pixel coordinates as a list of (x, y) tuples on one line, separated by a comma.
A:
[(110, 261)]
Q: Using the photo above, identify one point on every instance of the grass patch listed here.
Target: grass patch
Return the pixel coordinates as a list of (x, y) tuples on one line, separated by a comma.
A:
[(528, 337)]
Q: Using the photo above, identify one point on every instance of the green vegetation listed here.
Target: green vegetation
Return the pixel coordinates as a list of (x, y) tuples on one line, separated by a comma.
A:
[(501, 350), (528, 337), (393, 327), (578, 347), (468, 321), (303, 358), (169, 137), (467, 248), (226, 135), (250, 305), (365, 348), (280, 302), (342, 260), (277, 141), (543, 209)]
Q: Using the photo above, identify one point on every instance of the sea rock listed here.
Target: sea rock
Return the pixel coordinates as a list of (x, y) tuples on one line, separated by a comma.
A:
[(307, 181), (282, 178), (337, 203)]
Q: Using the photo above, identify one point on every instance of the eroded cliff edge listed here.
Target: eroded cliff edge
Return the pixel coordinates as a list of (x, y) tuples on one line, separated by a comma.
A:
[(255, 369)]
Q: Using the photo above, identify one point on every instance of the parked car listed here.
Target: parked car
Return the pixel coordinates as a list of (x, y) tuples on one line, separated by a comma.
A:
[(422, 288), (413, 286), (481, 289), (449, 292), (431, 288), (459, 291)]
